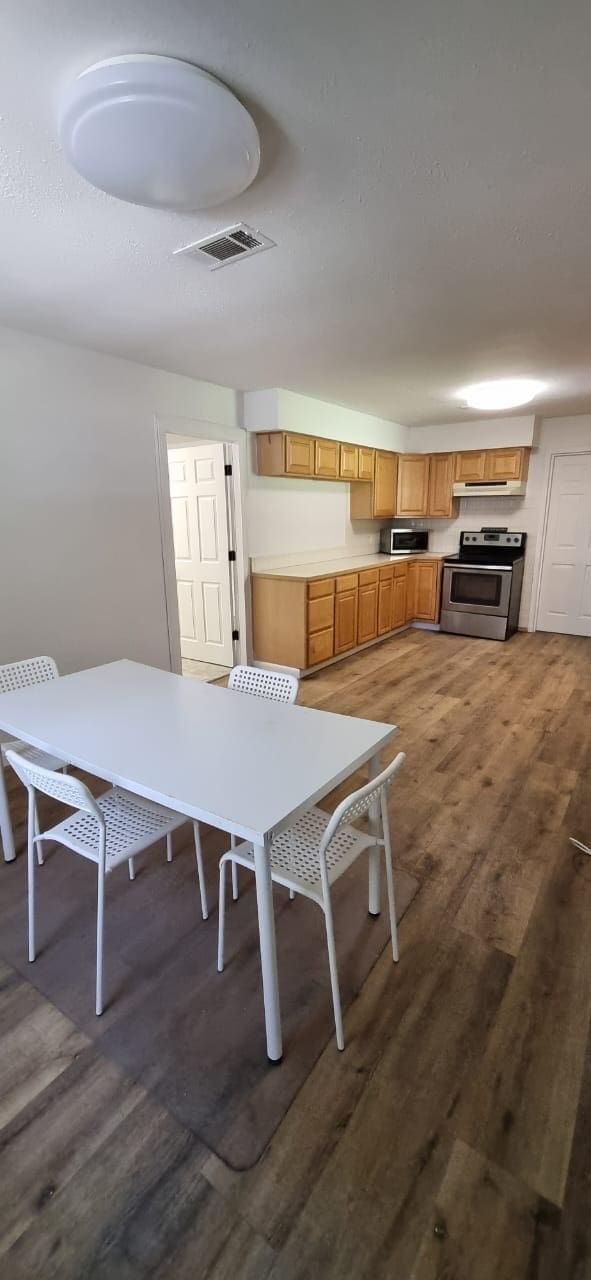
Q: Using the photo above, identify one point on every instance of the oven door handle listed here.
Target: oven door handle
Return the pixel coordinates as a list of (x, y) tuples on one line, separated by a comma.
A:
[(480, 568)]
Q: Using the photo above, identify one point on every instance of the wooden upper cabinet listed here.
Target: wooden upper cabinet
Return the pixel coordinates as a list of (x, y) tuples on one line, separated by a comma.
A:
[(471, 465), (349, 462), (299, 455), (441, 478), (384, 483), (365, 464), (326, 459), (506, 464), (413, 484)]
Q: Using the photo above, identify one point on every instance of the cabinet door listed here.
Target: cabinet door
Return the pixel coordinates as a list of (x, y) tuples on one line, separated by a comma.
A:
[(426, 601), (326, 459), (345, 621), (367, 622), (471, 465), (399, 602), (411, 590), (320, 646), (441, 476), (413, 484), (365, 463), (299, 456), (385, 596), (505, 464), (384, 487), (349, 462)]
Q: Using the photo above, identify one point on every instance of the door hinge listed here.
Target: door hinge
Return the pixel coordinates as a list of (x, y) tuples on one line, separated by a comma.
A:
[(231, 556), (235, 635), (228, 469)]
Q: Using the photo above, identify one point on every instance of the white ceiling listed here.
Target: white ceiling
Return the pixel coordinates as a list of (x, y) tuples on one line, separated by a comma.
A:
[(426, 175)]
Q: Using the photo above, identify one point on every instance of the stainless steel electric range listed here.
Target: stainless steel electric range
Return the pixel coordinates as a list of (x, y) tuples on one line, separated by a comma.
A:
[(482, 584)]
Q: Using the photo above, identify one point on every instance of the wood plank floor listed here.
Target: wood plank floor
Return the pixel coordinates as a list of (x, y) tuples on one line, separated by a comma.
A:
[(452, 1139)]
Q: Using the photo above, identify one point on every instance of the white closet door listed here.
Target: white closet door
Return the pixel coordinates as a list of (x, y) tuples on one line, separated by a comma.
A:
[(565, 595), (200, 531)]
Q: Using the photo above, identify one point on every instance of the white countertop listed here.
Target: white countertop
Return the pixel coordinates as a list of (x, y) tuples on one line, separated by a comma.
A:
[(347, 564)]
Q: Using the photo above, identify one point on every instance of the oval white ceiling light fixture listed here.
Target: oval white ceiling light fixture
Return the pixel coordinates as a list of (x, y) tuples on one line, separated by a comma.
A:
[(159, 132), (503, 393)]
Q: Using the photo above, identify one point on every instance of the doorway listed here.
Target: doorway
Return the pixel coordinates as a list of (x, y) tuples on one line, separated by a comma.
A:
[(565, 586), (202, 547)]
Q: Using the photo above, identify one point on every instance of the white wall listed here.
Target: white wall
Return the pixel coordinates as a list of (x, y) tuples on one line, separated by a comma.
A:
[(484, 433), (81, 568), (289, 517)]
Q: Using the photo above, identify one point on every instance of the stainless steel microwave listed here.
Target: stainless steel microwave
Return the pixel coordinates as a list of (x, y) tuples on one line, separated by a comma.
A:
[(403, 542)]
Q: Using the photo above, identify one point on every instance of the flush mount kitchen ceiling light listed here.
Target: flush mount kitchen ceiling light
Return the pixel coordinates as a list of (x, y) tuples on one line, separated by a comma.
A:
[(160, 132), (504, 393)]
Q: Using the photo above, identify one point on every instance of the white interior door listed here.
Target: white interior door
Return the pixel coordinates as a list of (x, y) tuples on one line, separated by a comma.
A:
[(565, 594), (200, 533)]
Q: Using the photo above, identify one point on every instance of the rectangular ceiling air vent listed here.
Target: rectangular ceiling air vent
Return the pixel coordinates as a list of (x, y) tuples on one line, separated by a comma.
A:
[(227, 246)]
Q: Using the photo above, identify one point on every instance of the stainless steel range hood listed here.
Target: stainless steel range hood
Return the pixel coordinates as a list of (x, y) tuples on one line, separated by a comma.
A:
[(489, 489)]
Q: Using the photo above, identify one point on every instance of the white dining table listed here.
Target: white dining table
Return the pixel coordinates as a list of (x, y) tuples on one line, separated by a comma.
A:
[(243, 764)]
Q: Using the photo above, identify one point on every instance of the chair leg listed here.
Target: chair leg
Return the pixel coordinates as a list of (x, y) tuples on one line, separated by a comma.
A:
[(201, 877), (334, 975), (222, 915), (169, 847), (40, 858), (389, 878), (131, 867), (100, 918), (234, 871), (31, 875)]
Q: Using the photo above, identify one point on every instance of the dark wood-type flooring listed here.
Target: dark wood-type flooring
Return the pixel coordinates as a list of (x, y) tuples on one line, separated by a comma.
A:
[(452, 1138)]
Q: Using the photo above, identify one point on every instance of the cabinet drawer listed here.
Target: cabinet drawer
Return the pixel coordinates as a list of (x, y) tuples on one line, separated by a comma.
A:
[(320, 646), (324, 587), (387, 573), (347, 582), (320, 613), (367, 576)]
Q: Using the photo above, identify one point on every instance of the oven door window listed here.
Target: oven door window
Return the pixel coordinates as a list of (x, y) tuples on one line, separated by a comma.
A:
[(476, 588)]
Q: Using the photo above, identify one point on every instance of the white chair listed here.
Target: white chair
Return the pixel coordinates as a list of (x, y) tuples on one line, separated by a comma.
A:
[(107, 831), (20, 675), (311, 855), (277, 686)]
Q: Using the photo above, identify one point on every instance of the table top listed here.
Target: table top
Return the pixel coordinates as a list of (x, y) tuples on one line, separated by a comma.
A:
[(238, 762)]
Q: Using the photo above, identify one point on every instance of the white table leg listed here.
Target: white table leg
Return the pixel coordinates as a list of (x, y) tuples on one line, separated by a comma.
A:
[(5, 823), (374, 854), (264, 888)]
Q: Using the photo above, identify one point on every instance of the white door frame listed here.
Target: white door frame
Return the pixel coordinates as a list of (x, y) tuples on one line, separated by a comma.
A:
[(234, 446), (541, 551)]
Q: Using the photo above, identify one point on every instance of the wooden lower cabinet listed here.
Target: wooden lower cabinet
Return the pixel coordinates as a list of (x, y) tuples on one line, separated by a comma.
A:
[(345, 620), (367, 618), (301, 623), (399, 600), (385, 598), (426, 597)]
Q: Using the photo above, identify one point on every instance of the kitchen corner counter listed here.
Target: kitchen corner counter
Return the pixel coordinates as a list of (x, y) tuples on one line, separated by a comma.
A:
[(347, 564)]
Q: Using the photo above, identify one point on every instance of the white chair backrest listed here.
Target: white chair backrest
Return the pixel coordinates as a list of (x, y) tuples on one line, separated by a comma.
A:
[(60, 786), (18, 675), (279, 686), (356, 804)]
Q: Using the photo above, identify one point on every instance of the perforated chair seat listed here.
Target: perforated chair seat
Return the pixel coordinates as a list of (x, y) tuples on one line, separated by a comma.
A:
[(294, 853), (131, 822)]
